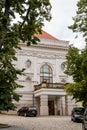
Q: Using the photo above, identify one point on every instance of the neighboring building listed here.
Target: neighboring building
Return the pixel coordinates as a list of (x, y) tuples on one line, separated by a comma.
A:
[(44, 78)]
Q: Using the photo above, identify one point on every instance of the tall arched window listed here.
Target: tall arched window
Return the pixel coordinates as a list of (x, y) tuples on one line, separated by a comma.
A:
[(46, 74)]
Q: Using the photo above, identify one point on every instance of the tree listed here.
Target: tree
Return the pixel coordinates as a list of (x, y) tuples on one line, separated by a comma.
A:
[(32, 14), (76, 66), (76, 61), (80, 20)]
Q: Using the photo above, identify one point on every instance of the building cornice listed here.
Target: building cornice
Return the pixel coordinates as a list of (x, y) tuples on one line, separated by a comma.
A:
[(49, 44), (41, 54)]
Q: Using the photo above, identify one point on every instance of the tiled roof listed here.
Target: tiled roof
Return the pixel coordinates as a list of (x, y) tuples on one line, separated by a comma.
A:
[(45, 35)]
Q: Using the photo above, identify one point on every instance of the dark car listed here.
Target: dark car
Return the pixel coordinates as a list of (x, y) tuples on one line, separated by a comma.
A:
[(27, 111), (84, 122), (77, 114)]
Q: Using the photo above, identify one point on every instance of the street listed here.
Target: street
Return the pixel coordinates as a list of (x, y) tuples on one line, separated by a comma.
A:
[(39, 123)]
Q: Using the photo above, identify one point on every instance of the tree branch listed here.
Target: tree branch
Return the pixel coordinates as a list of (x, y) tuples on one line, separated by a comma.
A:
[(26, 17), (5, 20)]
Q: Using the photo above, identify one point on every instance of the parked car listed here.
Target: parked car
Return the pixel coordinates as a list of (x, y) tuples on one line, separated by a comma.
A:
[(27, 111), (77, 114), (84, 122)]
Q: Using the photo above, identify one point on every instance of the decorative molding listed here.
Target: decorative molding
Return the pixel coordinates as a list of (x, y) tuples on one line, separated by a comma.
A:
[(63, 80), (49, 43), (28, 63), (63, 66), (63, 76), (25, 92), (40, 54)]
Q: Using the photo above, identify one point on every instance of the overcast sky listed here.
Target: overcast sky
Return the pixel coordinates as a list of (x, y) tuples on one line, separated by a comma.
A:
[(62, 13)]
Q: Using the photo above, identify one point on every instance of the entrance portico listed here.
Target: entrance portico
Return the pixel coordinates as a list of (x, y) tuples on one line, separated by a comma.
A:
[(52, 101)]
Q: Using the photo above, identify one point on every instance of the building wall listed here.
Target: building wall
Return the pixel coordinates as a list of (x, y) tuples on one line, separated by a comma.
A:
[(47, 52), (38, 57)]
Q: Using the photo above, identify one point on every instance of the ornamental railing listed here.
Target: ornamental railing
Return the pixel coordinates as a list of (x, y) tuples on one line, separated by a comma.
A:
[(50, 85)]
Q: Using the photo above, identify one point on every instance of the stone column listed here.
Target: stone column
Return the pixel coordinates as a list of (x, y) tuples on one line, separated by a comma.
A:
[(44, 105), (62, 105), (55, 107), (66, 106)]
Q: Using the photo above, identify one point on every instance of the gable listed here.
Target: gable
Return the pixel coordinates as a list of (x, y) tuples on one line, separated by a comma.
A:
[(45, 35)]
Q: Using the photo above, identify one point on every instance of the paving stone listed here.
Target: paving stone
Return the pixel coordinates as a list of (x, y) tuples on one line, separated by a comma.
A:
[(39, 123)]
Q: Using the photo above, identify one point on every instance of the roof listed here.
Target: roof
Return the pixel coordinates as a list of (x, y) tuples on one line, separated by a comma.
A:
[(45, 35)]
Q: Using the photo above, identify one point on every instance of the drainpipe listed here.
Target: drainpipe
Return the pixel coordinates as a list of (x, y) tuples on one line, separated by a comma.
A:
[(33, 98)]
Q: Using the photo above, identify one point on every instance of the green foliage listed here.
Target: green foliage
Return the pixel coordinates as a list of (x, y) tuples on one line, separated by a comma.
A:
[(80, 20), (76, 66), (73, 64), (32, 14), (77, 60), (8, 77)]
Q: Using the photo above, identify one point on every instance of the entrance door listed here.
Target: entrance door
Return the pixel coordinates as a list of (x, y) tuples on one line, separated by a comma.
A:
[(51, 107)]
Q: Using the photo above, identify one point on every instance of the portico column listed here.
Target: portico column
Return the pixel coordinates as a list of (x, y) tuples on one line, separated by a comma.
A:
[(44, 105), (66, 106)]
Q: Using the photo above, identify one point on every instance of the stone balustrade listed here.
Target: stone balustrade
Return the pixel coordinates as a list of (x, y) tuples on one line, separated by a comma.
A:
[(50, 85)]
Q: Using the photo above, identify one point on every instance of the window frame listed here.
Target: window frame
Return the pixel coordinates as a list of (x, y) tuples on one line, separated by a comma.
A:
[(46, 75)]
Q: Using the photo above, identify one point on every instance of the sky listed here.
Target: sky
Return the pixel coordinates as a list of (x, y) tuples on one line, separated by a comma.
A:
[(62, 13)]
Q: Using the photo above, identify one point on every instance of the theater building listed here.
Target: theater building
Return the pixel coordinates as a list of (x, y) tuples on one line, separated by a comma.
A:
[(44, 78)]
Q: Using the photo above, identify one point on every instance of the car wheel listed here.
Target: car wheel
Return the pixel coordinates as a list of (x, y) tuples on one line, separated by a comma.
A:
[(83, 127), (25, 114), (35, 115), (71, 119), (74, 119), (18, 113)]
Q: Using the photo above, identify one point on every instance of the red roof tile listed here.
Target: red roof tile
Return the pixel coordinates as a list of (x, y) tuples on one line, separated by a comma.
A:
[(45, 35)]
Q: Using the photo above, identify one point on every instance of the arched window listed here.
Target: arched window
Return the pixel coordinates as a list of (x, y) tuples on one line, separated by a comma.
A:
[(46, 74)]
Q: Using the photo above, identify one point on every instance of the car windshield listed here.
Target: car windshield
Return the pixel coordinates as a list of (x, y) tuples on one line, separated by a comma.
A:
[(32, 108), (79, 111)]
